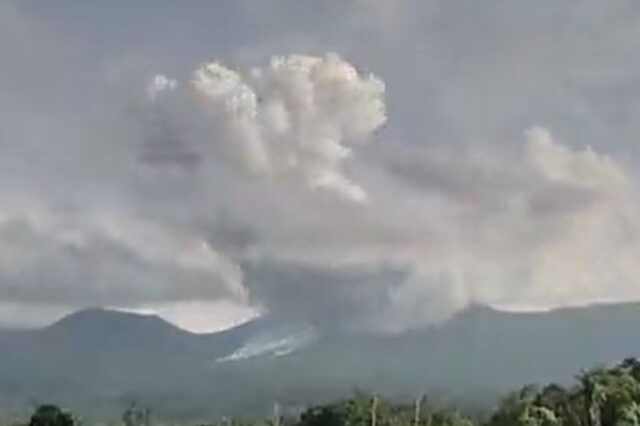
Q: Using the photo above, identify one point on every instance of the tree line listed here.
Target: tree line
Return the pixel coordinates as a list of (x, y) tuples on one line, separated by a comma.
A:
[(599, 397)]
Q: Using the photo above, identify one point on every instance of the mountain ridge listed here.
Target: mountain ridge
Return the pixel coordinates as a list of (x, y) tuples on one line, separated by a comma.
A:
[(97, 360)]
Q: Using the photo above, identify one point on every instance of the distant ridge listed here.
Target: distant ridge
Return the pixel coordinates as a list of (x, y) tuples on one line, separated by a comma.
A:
[(97, 360), (103, 317)]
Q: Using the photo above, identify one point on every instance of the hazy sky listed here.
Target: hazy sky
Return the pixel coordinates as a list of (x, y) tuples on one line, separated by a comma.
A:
[(360, 164)]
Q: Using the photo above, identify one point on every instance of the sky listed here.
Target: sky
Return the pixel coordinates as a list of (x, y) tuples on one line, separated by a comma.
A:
[(364, 165)]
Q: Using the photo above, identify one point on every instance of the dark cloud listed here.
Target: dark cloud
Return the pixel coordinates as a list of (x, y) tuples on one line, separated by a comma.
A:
[(324, 295)]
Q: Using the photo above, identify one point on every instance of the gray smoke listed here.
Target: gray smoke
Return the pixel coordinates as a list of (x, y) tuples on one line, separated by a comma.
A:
[(383, 187)]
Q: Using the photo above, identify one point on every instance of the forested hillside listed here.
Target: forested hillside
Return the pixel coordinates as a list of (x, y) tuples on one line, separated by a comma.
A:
[(97, 362), (599, 397)]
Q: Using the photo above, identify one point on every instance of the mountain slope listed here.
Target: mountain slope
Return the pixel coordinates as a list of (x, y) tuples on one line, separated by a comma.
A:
[(97, 361)]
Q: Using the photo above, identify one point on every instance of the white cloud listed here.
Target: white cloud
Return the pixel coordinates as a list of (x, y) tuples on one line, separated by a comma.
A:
[(590, 258), (297, 117), (227, 185), (541, 248), (102, 259), (160, 84), (556, 227), (558, 163)]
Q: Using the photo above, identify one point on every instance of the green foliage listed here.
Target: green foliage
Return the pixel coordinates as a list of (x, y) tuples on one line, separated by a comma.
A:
[(363, 411), (51, 415), (600, 397)]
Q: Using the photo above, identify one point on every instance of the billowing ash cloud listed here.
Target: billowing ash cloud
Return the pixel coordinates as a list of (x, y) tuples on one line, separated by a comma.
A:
[(551, 227), (591, 257), (106, 260), (586, 169), (295, 119), (306, 186)]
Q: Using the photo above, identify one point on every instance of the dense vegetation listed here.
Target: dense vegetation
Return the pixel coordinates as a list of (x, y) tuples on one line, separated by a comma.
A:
[(599, 397)]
